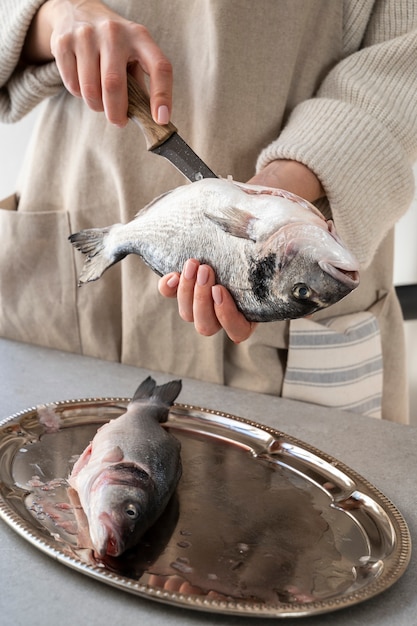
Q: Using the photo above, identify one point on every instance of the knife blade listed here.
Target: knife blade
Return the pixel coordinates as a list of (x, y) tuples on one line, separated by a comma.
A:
[(164, 140)]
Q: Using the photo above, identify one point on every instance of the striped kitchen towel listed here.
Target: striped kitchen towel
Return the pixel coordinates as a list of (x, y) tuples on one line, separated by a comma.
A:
[(336, 362)]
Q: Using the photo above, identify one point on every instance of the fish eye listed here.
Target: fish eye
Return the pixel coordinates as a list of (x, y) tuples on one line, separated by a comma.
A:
[(132, 511), (301, 291)]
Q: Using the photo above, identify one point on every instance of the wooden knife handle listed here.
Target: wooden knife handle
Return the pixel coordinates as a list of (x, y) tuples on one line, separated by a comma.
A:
[(139, 111)]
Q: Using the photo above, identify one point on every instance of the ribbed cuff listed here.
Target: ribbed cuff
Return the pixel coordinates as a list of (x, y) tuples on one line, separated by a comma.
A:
[(16, 18), (21, 89), (27, 89)]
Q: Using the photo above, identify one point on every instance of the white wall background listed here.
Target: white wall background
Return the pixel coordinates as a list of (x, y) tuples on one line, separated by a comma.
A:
[(405, 266), (14, 139), (13, 142)]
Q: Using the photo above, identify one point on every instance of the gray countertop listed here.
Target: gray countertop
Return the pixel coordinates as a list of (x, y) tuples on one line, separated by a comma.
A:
[(37, 590)]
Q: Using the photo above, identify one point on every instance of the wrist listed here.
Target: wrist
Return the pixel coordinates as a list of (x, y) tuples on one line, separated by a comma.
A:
[(292, 176), (37, 45)]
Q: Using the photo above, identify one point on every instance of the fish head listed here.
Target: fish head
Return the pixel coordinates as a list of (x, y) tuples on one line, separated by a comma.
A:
[(119, 508), (307, 268)]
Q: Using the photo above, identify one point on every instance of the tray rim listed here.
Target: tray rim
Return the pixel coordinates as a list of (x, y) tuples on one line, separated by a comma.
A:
[(240, 608)]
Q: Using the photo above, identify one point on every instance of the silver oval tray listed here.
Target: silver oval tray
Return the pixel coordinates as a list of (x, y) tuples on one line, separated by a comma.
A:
[(261, 524)]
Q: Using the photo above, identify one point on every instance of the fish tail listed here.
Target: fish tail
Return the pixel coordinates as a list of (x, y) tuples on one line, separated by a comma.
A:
[(145, 389), (92, 243), (166, 393)]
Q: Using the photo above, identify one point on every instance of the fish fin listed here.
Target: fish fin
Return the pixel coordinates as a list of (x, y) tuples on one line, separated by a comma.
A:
[(82, 460), (145, 389), (91, 242), (166, 393), (235, 222), (114, 455)]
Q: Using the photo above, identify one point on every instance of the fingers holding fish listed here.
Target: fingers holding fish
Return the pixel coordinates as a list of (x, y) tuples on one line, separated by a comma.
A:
[(168, 284), (202, 302), (204, 314), (233, 322), (274, 252), (186, 290), (195, 300), (192, 289)]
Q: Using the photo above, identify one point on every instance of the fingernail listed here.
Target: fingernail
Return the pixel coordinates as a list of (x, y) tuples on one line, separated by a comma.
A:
[(216, 292), (190, 269), (173, 281), (163, 115), (202, 275)]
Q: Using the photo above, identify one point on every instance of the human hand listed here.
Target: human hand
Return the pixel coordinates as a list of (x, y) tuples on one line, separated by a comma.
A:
[(93, 47), (292, 176), (209, 306), (201, 301)]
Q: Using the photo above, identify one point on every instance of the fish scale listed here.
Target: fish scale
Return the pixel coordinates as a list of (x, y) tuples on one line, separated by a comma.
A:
[(128, 473), (276, 254)]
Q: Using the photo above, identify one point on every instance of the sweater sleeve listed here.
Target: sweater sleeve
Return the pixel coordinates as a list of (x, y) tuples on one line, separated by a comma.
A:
[(359, 134), (21, 88)]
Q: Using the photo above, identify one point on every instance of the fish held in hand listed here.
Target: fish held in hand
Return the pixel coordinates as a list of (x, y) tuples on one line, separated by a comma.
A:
[(274, 251), (128, 473)]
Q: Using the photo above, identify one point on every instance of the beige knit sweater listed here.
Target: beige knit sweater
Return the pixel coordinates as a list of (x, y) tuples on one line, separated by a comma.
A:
[(330, 83)]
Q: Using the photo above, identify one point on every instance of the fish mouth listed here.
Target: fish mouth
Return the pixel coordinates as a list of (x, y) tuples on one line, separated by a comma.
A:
[(347, 275), (346, 272), (108, 542)]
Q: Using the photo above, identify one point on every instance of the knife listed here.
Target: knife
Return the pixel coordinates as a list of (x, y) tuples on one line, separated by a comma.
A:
[(164, 140)]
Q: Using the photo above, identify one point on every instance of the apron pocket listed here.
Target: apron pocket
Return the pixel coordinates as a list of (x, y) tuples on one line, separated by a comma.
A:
[(37, 279), (336, 362)]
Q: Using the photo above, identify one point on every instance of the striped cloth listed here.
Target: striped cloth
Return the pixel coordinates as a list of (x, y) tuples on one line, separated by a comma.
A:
[(336, 362)]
